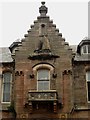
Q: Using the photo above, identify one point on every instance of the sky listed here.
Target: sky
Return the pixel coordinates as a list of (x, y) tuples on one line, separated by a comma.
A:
[(16, 17)]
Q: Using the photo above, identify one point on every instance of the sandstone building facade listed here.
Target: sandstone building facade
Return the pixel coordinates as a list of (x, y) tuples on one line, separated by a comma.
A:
[(43, 77)]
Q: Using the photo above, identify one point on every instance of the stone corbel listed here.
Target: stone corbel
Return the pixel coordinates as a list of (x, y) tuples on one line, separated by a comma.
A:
[(19, 73), (70, 72), (67, 72), (31, 76), (54, 75)]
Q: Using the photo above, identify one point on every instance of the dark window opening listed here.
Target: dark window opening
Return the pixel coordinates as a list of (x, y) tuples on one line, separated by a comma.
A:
[(41, 107), (88, 84), (88, 91)]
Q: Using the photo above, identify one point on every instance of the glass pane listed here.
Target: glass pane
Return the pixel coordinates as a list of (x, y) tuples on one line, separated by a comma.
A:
[(88, 91), (43, 74), (7, 77), (6, 97), (43, 85), (46, 85), (40, 85), (43, 79), (6, 87), (89, 86), (88, 48), (88, 76), (85, 49)]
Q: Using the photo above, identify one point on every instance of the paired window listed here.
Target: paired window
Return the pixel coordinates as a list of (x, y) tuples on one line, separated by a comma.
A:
[(43, 79), (88, 84), (6, 87), (85, 49)]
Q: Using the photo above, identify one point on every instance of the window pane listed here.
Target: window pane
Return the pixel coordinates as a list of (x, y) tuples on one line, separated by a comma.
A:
[(6, 87), (88, 76), (43, 85), (46, 85), (89, 86), (43, 74), (7, 77), (43, 79), (85, 49), (88, 91), (88, 48), (40, 85), (6, 97)]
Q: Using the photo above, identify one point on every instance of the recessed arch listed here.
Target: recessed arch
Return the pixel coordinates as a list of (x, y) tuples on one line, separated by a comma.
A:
[(43, 65)]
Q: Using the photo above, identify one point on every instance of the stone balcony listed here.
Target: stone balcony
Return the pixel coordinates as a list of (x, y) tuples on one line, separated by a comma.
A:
[(50, 95)]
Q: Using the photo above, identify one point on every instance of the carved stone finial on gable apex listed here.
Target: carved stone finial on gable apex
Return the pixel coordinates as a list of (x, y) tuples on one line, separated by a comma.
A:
[(42, 2), (43, 9)]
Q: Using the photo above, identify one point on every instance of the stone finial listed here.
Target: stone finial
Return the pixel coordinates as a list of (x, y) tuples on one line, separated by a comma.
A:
[(42, 2), (43, 9)]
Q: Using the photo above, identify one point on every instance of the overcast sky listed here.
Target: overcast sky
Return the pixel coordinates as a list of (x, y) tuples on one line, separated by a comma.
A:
[(71, 18)]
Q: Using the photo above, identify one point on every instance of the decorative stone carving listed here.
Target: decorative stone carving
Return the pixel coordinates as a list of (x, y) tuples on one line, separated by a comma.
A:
[(31, 75), (42, 95)]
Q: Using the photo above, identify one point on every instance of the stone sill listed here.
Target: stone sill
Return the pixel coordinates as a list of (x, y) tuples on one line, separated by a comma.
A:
[(4, 106), (82, 108)]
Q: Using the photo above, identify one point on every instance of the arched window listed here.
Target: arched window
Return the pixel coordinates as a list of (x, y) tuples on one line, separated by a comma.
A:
[(43, 79), (6, 87)]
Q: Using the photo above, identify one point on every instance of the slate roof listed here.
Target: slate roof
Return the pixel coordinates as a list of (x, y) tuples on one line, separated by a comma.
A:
[(5, 55), (85, 57)]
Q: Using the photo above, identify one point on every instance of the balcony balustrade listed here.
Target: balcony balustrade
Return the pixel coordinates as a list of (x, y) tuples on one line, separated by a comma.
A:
[(50, 95)]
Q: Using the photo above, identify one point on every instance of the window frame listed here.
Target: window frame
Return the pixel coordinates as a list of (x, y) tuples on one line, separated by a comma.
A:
[(87, 47), (43, 65), (10, 82), (43, 79), (88, 81)]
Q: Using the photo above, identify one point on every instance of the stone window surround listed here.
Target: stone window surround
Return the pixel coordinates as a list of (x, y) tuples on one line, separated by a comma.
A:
[(6, 71), (43, 66)]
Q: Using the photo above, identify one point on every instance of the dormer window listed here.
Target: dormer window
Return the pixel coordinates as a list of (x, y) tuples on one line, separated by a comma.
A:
[(85, 49)]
